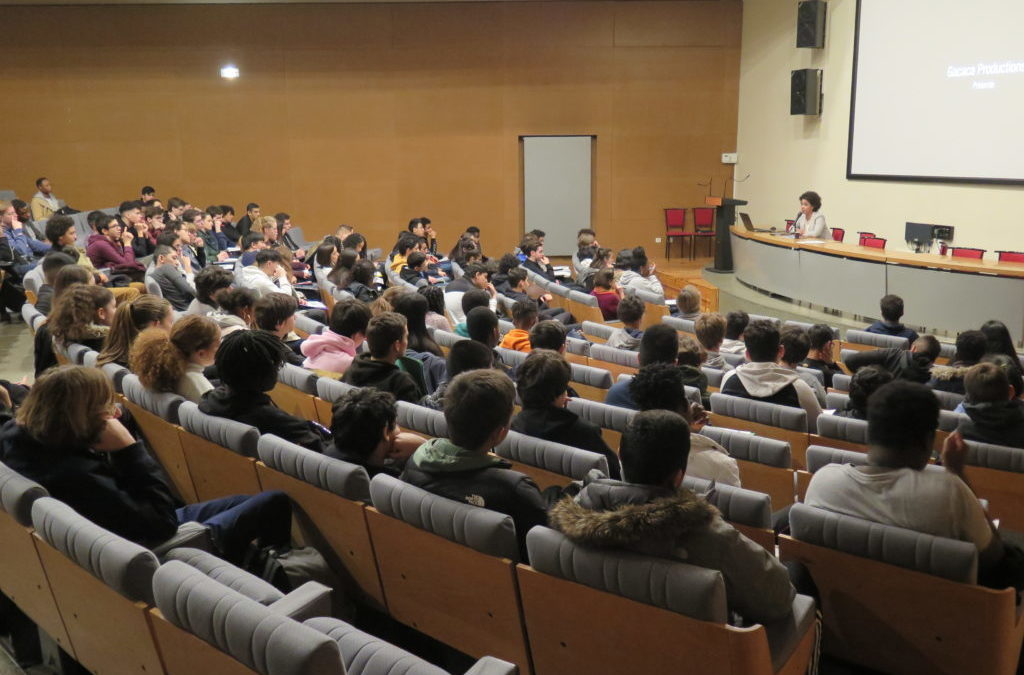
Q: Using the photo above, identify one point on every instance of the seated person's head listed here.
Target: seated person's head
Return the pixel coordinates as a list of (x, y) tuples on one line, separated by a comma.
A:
[(795, 345), (476, 273), (604, 278), (987, 383), (417, 261), (659, 386), (655, 448), (275, 313), (763, 341), (688, 300), (548, 334), (482, 326), (524, 314), (820, 337), (406, 243), (659, 344), (269, 260), (710, 330), (638, 258), (170, 238), (624, 259), (165, 255), (971, 346), (902, 418), (254, 241), (1011, 367), (478, 409), (209, 281), (67, 407), (237, 302), (892, 308), (466, 355), (52, 263), (543, 379), (350, 318), (507, 263), (387, 336), (517, 279), (690, 352), (248, 361), (585, 238), (631, 311), (735, 324), (865, 382), (475, 298), (364, 422), (67, 276), (60, 231), (927, 345), (362, 272)]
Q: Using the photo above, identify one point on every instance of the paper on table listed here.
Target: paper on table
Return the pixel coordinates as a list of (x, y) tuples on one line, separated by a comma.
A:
[(813, 241)]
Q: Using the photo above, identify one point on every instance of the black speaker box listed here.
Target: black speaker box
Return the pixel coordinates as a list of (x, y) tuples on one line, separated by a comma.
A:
[(805, 92), (810, 24)]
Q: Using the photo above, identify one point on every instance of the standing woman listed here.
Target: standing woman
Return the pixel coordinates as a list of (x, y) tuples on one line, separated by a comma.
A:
[(810, 223)]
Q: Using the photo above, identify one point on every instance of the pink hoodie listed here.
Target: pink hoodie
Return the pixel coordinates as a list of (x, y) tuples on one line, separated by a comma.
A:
[(328, 351)]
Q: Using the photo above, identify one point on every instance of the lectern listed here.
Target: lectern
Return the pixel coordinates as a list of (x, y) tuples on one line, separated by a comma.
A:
[(725, 216)]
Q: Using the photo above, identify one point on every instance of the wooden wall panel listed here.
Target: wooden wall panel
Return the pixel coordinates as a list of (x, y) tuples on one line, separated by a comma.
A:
[(372, 114)]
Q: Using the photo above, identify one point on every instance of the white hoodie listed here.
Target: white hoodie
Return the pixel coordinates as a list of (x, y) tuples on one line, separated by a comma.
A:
[(763, 379)]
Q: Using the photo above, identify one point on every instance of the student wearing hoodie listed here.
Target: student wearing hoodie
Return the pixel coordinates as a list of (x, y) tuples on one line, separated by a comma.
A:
[(914, 364), (335, 348), (735, 323), (710, 331), (542, 380), (995, 413), (891, 307), (631, 313), (267, 275), (650, 513), (970, 348), (524, 318), (111, 247), (639, 272), (763, 379), (477, 408), (386, 367), (795, 346)]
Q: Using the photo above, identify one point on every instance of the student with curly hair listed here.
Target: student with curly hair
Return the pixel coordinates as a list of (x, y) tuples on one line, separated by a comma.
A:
[(174, 361)]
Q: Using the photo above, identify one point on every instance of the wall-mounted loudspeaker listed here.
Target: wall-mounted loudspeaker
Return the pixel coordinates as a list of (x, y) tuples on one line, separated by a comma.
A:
[(810, 24), (805, 92)]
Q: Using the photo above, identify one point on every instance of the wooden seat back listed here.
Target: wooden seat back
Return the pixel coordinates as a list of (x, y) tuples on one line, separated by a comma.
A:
[(798, 440), (218, 471), (295, 402), (185, 654), (164, 439)]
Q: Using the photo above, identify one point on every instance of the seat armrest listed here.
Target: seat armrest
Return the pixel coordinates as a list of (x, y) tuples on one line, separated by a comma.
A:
[(310, 600), (489, 665), (189, 535), (785, 635)]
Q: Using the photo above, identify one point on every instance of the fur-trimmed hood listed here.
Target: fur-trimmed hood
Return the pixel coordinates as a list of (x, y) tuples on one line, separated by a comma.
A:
[(951, 372), (615, 514)]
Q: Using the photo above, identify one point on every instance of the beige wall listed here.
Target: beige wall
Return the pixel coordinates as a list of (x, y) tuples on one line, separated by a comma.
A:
[(786, 155), (372, 114)]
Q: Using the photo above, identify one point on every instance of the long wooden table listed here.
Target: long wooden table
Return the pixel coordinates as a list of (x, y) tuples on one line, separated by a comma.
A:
[(939, 292)]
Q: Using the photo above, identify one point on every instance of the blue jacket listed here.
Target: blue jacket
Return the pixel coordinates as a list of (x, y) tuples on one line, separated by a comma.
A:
[(28, 247)]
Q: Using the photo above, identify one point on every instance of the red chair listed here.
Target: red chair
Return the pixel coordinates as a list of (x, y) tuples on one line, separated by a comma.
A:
[(838, 234), (675, 226), (861, 236), (963, 252), (1010, 256), (703, 227), (873, 242)]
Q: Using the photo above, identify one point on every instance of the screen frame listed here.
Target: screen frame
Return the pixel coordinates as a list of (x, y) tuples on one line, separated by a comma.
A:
[(850, 175)]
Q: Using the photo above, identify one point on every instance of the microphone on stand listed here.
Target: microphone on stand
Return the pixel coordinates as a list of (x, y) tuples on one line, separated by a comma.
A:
[(741, 180)]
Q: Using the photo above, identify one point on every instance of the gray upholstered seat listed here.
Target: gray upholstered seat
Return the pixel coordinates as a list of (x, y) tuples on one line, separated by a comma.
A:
[(577, 346), (622, 357), (18, 494), (76, 353), (836, 401), (308, 325), (998, 457), (734, 359), (751, 448), (946, 558), (264, 640), (807, 326), (122, 565), (845, 354), (603, 415), (235, 436), (445, 339), (331, 390), (737, 505), (116, 373), (813, 372), (820, 455), (646, 296), (862, 337), (843, 428), (89, 359), (594, 377), (598, 330), (424, 420), (505, 326), (947, 351), (163, 405), (764, 317), (298, 378), (511, 357), (685, 325), (554, 457), (714, 375), (948, 399), (153, 288), (841, 381), (949, 420), (557, 289), (582, 298), (478, 528), (771, 414), (349, 481)]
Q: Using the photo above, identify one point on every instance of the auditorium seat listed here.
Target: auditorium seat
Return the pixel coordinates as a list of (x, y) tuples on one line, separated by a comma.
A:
[(1010, 256), (846, 433), (734, 360), (841, 382), (781, 422), (306, 326), (612, 419), (549, 463), (681, 325), (295, 390), (714, 376), (838, 234), (703, 228), (764, 463), (220, 453), (76, 353), (873, 242), (749, 511), (965, 252), (675, 228), (996, 473), (616, 361), (33, 317), (597, 332), (445, 340), (862, 340), (328, 391), (622, 591)]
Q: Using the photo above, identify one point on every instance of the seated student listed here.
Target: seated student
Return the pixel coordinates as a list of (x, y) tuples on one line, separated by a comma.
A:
[(524, 318), (914, 364), (415, 270), (819, 357), (470, 301), (174, 361), (435, 308), (361, 282), (638, 273), (334, 349), (130, 319), (763, 379), (234, 310), (710, 331), (385, 366), (602, 260), (608, 294), (52, 263), (970, 348), (474, 277), (995, 413), (892, 312), (659, 386), (275, 314), (864, 382), (111, 247), (688, 303), (464, 355), (735, 323), (659, 344), (630, 313), (210, 281), (267, 275), (516, 286), (536, 261), (252, 243), (502, 283), (83, 314), (68, 438), (364, 426), (422, 346), (406, 243), (894, 489), (247, 362), (1000, 341), (795, 347), (542, 380), (175, 288), (477, 408), (689, 361), (653, 514)]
